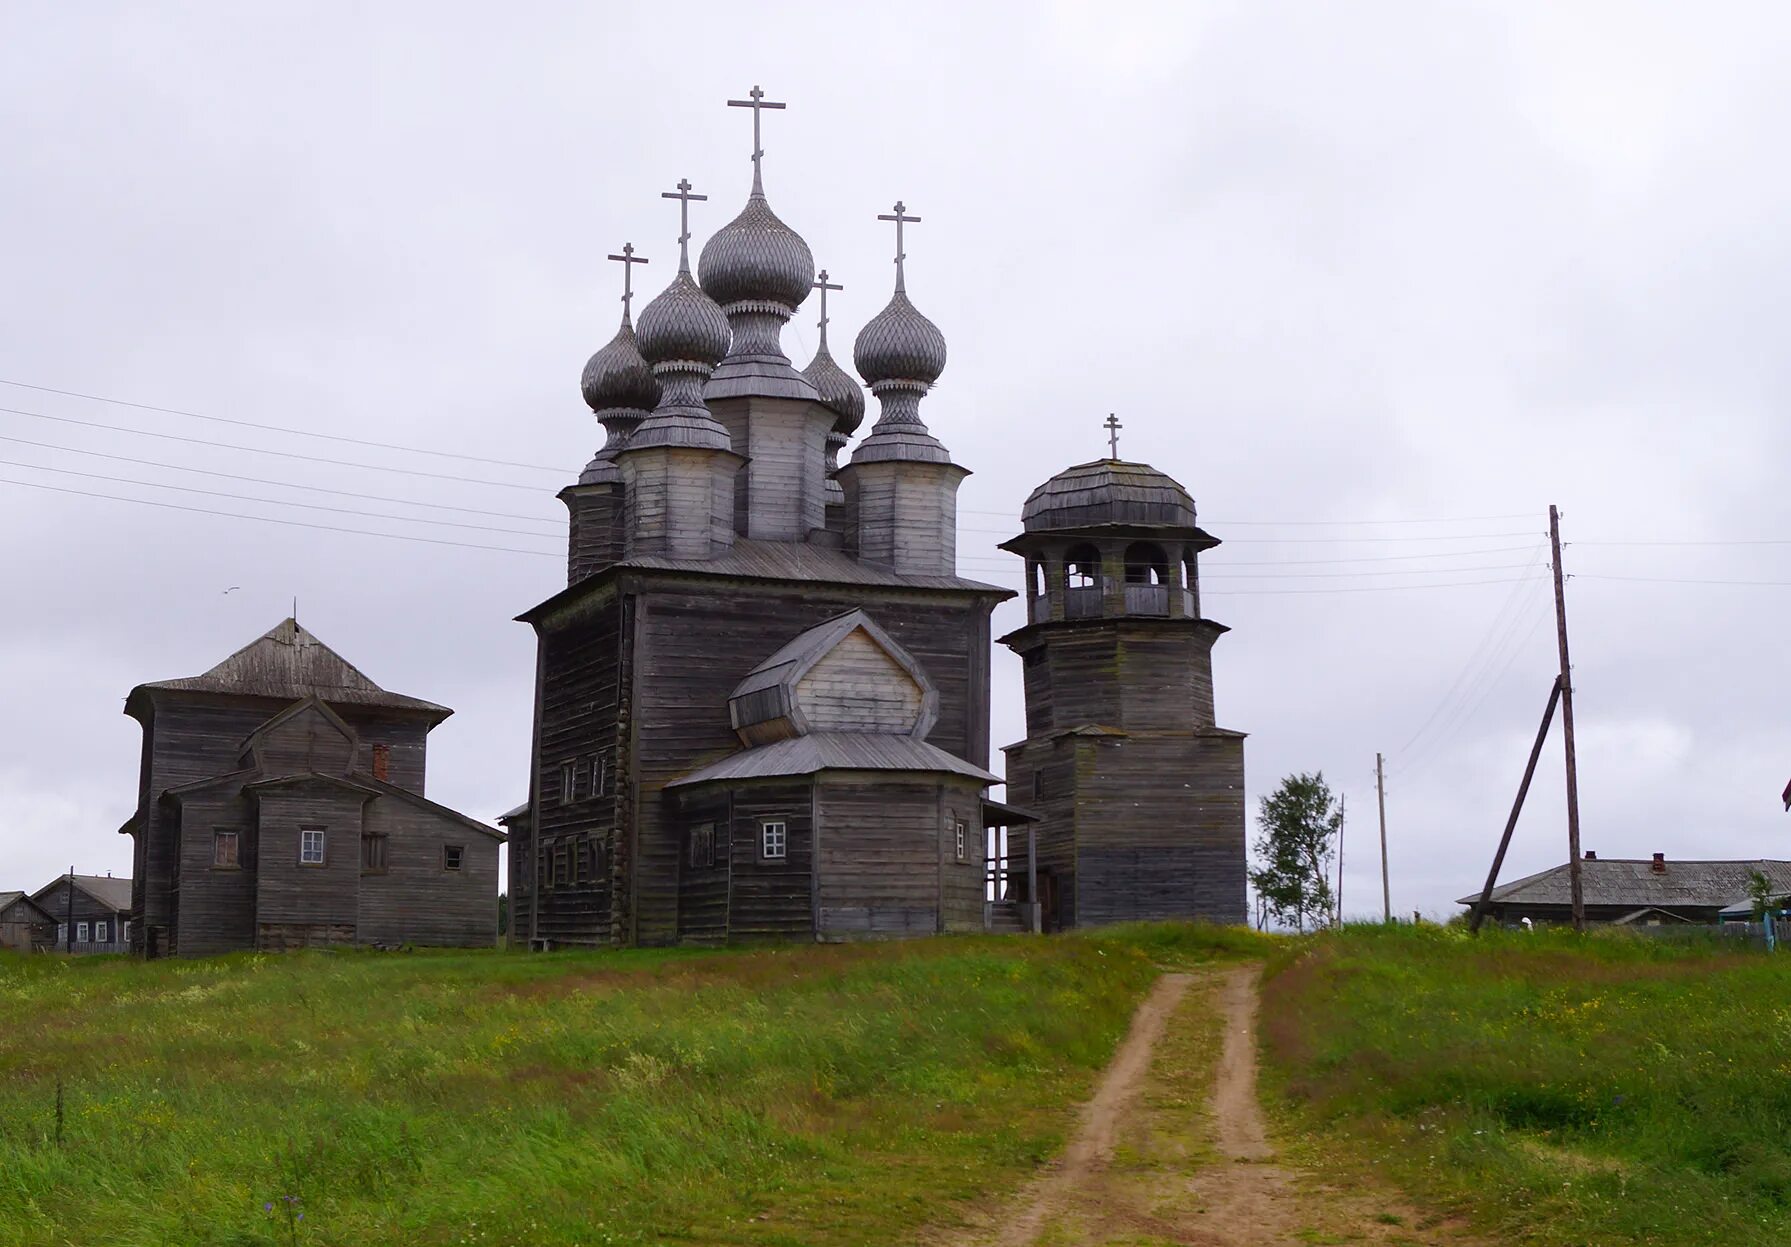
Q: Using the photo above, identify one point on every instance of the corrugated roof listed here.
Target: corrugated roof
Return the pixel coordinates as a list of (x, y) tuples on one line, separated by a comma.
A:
[(1634, 883), (289, 662), (835, 751)]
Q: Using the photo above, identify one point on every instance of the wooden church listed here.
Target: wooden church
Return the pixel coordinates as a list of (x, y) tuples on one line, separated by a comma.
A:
[(762, 700)]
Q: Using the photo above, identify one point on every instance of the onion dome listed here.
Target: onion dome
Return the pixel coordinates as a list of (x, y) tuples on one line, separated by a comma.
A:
[(618, 377), (899, 344), (837, 390), (757, 258), (683, 323), (1108, 491)]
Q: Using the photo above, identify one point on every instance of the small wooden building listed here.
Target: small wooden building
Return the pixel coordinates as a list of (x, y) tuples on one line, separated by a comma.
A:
[(24, 926), (281, 804), (1140, 793), (1635, 891), (91, 912)]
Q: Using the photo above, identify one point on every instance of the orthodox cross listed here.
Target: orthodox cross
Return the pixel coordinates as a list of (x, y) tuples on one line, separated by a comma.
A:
[(899, 218), (683, 195), (756, 102), (629, 260), (822, 285), (1113, 426)]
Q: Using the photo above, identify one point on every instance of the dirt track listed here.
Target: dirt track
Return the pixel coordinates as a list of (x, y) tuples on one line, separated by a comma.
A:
[(1173, 1148)]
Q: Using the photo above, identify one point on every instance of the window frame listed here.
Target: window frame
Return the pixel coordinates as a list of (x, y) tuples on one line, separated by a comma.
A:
[(569, 782), (702, 836), (102, 931), (958, 830), (1038, 785), (783, 839), (375, 845), (219, 837), (82, 931), (323, 847), (459, 859), (601, 779)]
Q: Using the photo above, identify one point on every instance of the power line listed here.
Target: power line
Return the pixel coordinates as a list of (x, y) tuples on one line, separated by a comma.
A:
[(1318, 541), (1410, 571), (274, 502), (1741, 541), (259, 450), (262, 480), (1669, 580), (1232, 593), (278, 428), (268, 519)]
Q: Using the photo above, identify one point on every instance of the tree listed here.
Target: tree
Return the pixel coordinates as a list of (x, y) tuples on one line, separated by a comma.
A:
[(1295, 827), (1761, 891)]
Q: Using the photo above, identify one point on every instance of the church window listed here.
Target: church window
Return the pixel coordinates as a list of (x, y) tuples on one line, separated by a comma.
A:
[(562, 864), (1082, 568), (600, 777), (958, 830), (80, 932), (451, 856), (225, 847), (102, 932), (568, 782), (544, 866), (702, 845), (1035, 576), (373, 854), (1038, 785), (310, 846), (773, 841), (1146, 564)]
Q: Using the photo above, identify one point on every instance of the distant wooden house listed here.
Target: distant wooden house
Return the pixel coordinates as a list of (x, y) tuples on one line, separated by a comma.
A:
[(1635, 891), (25, 927), (92, 913), (281, 804)]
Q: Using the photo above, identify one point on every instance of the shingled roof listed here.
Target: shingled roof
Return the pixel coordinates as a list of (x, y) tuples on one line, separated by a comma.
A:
[(113, 893), (1634, 882), (288, 663)]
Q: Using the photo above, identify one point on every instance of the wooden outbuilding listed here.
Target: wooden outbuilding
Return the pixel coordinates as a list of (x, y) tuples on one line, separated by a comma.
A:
[(25, 927), (281, 804)]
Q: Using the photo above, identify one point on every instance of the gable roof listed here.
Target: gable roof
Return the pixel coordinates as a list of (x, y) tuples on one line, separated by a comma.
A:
[(836, 751), (1633, 882), (114, 894), (288, 662), (251, 744), (784, 670), (9, 899)]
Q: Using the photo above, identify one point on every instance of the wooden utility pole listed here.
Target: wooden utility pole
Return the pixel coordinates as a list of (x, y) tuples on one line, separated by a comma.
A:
[(1573, 778), (1342, 808), (1517, 807), (1380, 792)]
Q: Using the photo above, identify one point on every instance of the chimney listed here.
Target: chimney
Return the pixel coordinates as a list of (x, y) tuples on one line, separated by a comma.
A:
[(1659, 865), (382, 761), (1591, 855)]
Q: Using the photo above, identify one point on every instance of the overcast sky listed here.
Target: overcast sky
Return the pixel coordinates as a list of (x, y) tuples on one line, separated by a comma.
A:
[(1357, 275)]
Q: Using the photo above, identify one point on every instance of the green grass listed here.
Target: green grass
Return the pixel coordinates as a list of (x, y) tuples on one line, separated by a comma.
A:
[(1558, 1089), (773, 1096)]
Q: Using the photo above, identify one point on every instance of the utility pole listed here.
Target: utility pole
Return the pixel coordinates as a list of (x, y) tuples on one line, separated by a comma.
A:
[(1573, 778), (70, 907), (1380, 792), (1342, 807)]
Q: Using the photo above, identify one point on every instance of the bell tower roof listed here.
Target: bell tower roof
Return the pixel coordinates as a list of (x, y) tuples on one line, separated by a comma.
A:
[(1108, 491)]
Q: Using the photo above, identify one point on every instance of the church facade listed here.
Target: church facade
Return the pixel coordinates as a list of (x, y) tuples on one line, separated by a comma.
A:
[(280, 804), (762, 699)]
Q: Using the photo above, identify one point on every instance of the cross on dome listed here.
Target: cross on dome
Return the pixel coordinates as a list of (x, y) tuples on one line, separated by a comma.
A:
[(1113, 426), (756, 102), (822, 284), (899, 218), (683, 195), (628, 260)]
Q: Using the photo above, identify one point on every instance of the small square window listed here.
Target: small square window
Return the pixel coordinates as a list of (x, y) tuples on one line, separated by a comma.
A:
[(773, 841), (958, 829), (102, 933), (451, 855), (225, 846), (310, 846), (80, 932)]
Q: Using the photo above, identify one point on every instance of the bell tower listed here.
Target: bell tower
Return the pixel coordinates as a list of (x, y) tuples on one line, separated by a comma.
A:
[(1141, 792)]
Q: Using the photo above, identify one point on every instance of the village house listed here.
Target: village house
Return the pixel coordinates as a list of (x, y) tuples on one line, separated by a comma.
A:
[(25, 927), (91, 912), (281, 804), (1635, 891), (762, 700)]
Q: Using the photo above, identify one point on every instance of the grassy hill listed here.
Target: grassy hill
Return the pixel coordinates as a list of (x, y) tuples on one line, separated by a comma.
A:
[(1562, 1090), (806, 1095)]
